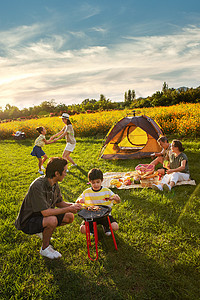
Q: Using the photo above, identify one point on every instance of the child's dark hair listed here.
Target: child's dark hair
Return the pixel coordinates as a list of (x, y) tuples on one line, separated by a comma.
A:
[(178, 144), (55, 164), (95, 174), (68, 122), (39, 129)]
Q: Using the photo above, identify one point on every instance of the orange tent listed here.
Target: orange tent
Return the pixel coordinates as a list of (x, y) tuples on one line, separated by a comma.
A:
[(132, 137)]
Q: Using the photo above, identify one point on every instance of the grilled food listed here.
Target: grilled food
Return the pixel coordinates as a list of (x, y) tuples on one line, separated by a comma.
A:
[(93, 208)]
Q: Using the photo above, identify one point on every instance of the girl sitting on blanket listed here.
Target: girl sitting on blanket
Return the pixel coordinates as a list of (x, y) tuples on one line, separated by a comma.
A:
[(177, 168)]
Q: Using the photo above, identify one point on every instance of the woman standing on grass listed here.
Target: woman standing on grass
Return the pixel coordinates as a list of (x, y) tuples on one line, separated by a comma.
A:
[(37, 149), (177, 169), (68, 133)]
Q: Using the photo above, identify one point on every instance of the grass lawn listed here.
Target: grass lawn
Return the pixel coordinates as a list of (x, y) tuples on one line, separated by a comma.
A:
[(158, 242)]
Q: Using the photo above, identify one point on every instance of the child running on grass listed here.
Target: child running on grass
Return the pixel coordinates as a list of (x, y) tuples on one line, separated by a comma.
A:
[(37, 149), (68, 133), (98, 195)]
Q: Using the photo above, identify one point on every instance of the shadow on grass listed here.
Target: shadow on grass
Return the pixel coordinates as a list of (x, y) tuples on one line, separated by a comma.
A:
[(85, 173), (166, 207), (143, 277), (74, 285), (123, 274), (24, 142)]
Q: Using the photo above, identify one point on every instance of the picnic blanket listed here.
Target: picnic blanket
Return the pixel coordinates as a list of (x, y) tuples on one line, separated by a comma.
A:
[(109, 176)]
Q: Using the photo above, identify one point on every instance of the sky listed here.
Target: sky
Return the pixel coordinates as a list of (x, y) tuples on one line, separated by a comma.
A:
[(68, 51)]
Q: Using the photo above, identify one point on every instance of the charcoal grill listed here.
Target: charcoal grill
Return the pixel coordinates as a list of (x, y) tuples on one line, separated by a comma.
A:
[(92, 216)]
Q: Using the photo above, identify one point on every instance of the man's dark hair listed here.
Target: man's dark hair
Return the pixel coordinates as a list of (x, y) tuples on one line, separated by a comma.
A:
[(95, 174), (162, 139), (55, 164), (39, 129)]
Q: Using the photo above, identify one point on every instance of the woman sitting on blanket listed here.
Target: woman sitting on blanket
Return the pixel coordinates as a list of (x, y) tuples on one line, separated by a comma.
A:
[(177, 168)]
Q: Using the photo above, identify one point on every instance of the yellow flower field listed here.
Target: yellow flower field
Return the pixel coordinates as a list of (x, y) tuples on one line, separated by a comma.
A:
[(181, 120)]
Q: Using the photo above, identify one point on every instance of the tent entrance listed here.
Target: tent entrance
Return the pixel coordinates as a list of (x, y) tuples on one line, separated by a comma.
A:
[(132, 139)]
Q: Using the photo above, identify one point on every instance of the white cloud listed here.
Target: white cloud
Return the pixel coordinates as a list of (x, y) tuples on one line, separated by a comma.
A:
[(32, 72), (87, 11), (16, 36), (98, 29)]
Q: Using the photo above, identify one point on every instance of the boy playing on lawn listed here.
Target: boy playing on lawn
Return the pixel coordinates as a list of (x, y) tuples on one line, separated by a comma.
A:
[(98, 195), (38, 214)]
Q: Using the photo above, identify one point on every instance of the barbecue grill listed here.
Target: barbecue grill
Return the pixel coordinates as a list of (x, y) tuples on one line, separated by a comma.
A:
[(102, 211)]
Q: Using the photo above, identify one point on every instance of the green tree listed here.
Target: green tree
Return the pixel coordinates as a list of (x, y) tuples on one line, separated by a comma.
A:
[(125, 97), (129, 97), (165, 88)]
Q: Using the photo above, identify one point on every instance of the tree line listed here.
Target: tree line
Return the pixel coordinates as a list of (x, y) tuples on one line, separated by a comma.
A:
[(166, 97), (169, 96)]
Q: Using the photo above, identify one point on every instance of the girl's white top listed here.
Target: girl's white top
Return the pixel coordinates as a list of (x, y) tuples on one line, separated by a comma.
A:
[(69, 134), (40, 141)]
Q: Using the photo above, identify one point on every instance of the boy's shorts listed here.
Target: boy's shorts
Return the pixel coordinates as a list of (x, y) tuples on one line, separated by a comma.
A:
[(102, 221), (34, 225)]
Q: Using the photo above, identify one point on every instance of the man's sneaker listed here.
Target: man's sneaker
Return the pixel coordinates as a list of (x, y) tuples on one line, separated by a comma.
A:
[(57, 254), (42, 167), (167, 187), (40, 235), (74, 165), (107, 231), (41, 172), (157, 187), (50, 252)]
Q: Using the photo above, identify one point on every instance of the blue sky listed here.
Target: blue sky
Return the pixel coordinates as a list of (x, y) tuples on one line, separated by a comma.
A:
[(72, 50)]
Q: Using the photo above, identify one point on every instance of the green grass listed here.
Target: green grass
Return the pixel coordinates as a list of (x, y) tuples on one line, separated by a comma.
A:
[(158, 242)]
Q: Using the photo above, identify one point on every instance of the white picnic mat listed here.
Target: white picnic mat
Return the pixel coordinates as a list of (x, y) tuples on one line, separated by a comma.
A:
[(107, 177)]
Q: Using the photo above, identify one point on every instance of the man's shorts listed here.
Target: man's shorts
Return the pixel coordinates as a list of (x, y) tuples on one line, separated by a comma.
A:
[(102, 221), (34, 224)]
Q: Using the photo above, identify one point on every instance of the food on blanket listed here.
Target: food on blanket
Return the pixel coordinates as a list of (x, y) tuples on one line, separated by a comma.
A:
[(137, 179), (115, 183), (128, 178), (127, 182), (119, 184), (131, 173), (121, 180)]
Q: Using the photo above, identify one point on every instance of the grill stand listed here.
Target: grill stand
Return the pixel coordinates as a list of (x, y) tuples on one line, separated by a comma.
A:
[(96, 237)]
